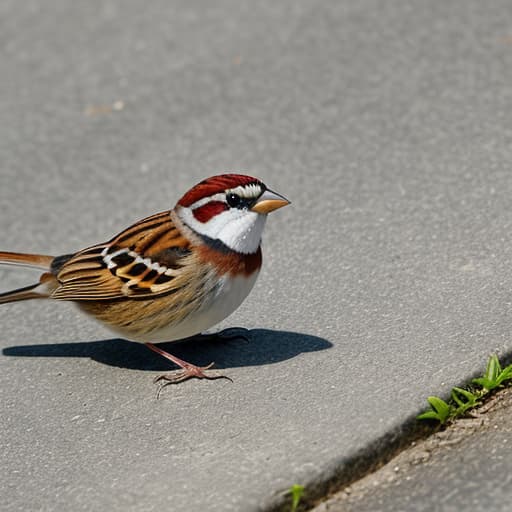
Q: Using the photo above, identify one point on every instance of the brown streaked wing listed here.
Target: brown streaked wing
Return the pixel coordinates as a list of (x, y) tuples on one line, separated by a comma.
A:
[(140, 262), (138, 231)]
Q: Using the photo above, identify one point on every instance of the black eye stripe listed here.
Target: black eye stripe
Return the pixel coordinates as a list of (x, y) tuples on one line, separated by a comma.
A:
[(235, 201)]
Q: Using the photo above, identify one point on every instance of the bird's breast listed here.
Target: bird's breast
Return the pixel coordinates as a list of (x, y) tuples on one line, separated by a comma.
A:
[(219, 302)]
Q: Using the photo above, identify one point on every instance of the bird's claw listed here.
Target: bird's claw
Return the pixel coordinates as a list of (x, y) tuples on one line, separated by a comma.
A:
[(189, 372)]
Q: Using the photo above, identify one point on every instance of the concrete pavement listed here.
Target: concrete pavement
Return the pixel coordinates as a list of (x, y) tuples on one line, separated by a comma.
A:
[(388, 127), (465, 467)]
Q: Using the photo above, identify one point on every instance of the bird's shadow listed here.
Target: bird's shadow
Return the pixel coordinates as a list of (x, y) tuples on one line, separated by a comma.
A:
[(251, 348)]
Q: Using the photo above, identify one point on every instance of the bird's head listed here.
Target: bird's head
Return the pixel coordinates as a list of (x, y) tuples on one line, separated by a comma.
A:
[(229, 210)]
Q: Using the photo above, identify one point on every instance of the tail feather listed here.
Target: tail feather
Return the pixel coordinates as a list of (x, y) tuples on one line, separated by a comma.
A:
[(40, 290), (28, 292), (26, 260)]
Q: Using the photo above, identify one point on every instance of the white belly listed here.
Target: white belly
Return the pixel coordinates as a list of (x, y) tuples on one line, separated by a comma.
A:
[(228, 296)]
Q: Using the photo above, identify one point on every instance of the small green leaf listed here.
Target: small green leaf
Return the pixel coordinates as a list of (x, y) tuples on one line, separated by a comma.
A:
[(456, 398), (441, 411), (429, 415), (296, 492), (493, 376), (508, 369), (439, 405), (483, 382), (504, 375), (470, 397), (493, 368), (507, 373), (464, 399)]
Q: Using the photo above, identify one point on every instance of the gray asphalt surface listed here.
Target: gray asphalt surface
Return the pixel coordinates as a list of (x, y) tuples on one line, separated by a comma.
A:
[(388, 279)]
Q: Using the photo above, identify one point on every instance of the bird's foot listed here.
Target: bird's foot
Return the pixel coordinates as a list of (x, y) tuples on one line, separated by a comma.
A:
[(189, 371)]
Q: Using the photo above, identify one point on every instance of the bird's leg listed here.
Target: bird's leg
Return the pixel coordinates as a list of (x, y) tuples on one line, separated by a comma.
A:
[(189, 370)]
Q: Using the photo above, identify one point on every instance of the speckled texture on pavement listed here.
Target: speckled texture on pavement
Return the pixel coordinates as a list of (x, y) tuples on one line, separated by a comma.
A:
[(388, 127)]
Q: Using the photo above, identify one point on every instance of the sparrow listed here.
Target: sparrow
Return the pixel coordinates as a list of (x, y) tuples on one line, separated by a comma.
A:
[(169, 276)]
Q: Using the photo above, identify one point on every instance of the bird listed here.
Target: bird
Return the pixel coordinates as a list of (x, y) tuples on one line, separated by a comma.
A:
[(167, 277)]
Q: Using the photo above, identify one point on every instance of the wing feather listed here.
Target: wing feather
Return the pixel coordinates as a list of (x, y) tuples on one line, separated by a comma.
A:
[(143, 261)]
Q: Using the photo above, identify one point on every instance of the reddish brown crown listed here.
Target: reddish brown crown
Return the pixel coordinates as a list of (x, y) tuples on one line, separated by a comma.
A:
[(215, 185)]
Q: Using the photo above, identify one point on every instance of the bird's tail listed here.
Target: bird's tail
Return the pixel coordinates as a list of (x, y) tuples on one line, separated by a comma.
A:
[(40, 290), (26, 260)]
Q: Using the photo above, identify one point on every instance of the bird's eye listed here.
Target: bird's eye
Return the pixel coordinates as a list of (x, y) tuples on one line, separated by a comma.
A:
[(233, 200)]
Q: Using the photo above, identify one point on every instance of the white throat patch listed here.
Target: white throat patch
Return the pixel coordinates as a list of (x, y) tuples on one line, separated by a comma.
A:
[(240, 230)]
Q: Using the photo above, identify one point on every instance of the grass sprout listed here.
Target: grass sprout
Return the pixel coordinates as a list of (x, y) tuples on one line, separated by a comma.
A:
[(296, 491), (463, 400)]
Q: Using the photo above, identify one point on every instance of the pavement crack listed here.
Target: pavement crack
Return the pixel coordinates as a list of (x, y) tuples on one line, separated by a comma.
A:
[(392, 458)]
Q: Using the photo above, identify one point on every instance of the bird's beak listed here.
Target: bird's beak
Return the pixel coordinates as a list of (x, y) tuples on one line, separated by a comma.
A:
[(268, 202)]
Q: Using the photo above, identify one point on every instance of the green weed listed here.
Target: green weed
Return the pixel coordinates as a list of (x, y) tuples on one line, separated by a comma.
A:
[(296, 491), (463, 400), (494, 375)]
